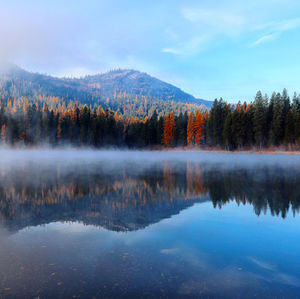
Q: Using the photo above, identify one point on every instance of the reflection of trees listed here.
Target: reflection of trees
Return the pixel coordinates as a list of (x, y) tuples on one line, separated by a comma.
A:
[(121, 197), (127, 197), (273, 188), (48, 187), (194, 179)]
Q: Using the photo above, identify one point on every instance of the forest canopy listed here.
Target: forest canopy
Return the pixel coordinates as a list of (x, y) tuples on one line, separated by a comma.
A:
[(265, 122)]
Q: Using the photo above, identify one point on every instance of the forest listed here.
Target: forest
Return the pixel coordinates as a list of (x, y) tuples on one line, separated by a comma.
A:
[(262, 123)]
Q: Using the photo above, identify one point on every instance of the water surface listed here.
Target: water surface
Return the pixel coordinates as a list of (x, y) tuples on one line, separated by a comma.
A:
[(87, 224)]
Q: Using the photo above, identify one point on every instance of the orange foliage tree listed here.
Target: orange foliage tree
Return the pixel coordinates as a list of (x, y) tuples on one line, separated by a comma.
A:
[(168, 129), (199, 127), (190, 129), (3, 127)]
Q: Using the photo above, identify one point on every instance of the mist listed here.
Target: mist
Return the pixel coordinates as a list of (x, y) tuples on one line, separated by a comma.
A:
[(111, 160), (40, 39), (143, 156)]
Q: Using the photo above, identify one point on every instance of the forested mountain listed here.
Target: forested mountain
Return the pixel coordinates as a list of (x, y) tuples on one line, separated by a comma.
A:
[(37, 109), (262, 123), (137, 83), (128, 92)]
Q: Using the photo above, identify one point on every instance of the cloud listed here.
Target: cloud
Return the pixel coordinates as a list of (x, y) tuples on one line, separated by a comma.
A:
[(171, 50), (264, 39), (201, 27), (189, 47), (206, 27), (274, 29), (287, 25), (221, 21)]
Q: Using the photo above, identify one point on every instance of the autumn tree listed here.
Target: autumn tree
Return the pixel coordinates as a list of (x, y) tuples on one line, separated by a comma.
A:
[(199, 127), (168, 129), (190, 129)]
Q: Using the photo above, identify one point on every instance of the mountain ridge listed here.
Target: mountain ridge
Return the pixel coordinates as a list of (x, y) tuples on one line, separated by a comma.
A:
[(128, 81)]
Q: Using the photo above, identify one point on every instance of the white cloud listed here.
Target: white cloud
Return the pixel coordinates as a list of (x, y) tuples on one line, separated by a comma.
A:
[(171, 50), (221, 21), (274, 29), (287, 25), (205, 27), (189, 46), (200, 27), (264, 39)]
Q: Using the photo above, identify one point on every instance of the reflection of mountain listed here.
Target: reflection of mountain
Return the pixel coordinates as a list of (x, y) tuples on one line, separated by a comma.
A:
[(125, 199), (98, 212), (118, 201)]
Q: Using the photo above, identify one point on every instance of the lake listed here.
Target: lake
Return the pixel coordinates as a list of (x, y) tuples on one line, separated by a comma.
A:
[(90, 224)]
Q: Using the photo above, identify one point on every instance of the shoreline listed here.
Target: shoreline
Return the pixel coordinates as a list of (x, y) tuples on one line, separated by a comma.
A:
[(253, 151), (161, 149)]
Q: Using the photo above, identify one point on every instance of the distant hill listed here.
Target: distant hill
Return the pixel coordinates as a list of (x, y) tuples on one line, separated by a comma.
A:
[(113, 90), (138, 83)]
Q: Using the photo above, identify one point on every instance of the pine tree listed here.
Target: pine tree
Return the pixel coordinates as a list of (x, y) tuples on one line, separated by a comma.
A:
[(289, 135), (278, 121), (260, 119), (227, 132)]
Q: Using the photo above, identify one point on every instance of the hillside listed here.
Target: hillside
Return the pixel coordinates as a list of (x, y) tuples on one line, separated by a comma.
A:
[(125, 91), (137, 83)]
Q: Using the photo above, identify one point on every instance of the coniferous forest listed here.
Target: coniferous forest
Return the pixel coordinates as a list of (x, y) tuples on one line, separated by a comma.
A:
[(265, 122)]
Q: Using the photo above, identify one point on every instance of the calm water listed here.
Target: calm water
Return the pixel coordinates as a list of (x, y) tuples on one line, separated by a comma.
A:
[(84, 224)]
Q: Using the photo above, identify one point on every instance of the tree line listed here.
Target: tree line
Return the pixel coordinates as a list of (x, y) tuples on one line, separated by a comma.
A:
[(262, 123)]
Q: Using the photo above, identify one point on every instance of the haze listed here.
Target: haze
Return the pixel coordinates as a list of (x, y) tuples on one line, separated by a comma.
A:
[(110, 160)]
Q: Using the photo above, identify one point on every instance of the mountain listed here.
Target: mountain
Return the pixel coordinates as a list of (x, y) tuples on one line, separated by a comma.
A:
[(118, 85), (138, 83)]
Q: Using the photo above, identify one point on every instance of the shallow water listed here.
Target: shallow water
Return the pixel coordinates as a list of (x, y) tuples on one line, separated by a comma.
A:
[(130, 224)]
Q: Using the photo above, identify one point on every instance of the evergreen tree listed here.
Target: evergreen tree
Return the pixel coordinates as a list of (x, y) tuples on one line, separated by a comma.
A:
[(260, 119)]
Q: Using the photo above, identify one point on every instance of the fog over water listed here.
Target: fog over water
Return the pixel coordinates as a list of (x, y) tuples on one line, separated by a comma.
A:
[(85, 223), (75, 156)]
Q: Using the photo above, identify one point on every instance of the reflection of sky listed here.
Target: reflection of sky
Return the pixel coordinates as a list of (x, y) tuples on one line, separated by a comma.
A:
[(200, 251)]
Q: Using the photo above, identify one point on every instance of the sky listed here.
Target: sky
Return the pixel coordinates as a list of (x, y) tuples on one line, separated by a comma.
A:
[(208, 48)]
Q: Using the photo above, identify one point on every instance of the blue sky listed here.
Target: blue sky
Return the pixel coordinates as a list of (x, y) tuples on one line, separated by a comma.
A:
[(207, 48)]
